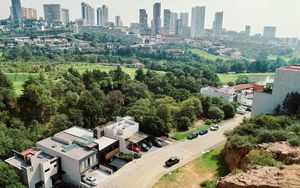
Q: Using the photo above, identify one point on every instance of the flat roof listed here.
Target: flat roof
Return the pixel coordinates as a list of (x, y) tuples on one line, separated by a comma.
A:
[(137, 137), (72, 150), (17, 162), (104, 142), (242, 87)]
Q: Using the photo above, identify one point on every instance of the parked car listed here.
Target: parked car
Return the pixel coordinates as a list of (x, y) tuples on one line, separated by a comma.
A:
[(157, 143), (214, 128), (203, 131), (241, 111), (90, 181), (148, 143), (134, 148), (172, 161), (144, 147), (192, 136)]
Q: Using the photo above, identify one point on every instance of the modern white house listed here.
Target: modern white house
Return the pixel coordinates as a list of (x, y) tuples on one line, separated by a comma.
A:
[(70, 154), (287, 80)]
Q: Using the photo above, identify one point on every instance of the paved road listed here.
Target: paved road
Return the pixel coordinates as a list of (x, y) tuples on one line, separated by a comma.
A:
[(144, 172)]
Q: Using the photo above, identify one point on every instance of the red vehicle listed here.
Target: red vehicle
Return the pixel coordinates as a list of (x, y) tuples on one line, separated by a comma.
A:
[(134, 148)]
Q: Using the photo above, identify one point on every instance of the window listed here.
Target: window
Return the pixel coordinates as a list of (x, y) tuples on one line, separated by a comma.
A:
[(55, 165), (47, 170)]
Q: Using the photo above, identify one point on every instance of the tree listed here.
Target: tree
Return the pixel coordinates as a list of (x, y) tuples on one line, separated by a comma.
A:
[(242, 79), (292, 103), (261, 157), (229, 111), (216, 113), (139, 75), (9, 177), (5, 82)]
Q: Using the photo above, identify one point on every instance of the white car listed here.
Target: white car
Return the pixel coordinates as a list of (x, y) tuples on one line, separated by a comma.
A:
[(241, 111), (90, 181), (214, 128)]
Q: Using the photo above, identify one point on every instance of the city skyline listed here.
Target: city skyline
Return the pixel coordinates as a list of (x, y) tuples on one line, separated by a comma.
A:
[(287, 24)]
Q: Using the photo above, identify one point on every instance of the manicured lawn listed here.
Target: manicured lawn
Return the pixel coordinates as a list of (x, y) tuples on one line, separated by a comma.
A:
[(18, 80), (22, 69), (254, 77), (207, 55), (194, 173)]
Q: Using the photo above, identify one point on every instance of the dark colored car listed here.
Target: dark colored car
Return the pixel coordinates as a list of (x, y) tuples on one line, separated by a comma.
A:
[(203, 131), (172, 161), (192, 136), (148, 143), (157, 143), (144, 147)]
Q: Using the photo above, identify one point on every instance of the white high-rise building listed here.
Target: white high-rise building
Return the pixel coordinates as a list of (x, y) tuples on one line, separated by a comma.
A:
[(105, 14), (99, 17), (198, 20), (174, 18), (118, 21), (184, 16), (218, 24), (52, 13), (65, 17), (269, 32), (88, 13)]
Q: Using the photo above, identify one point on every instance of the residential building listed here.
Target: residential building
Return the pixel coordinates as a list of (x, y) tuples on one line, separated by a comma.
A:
[(218, 24), (247, 30), (100, 17), (16, 15), (179, 28), (143, 21), (105, 14), (52, 13), (184, 16), (29, 13), (88, 13), (174, 18), (198, 20), (286, 81), (167, 21), (65, 17), (118, 21), (269, 32), (156, 18)]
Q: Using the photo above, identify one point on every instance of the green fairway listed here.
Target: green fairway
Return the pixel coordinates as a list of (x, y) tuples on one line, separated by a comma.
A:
[(18, 80), (254, 77), (207, 55), (19, 72)]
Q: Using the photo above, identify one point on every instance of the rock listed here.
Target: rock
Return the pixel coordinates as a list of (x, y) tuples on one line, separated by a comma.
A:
[(263, 177), (283, 152)]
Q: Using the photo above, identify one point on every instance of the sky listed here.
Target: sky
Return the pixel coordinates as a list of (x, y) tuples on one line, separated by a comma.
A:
[(284, 14)]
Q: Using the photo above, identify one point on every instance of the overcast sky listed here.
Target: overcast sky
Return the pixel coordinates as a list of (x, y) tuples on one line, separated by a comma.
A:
[(285, 14)]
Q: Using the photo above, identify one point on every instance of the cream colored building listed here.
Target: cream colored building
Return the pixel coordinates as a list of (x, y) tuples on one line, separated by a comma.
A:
[(287, 80)]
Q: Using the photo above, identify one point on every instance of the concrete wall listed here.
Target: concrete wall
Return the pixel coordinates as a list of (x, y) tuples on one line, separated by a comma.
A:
[(69, 165), (226, 98), (286, 81)]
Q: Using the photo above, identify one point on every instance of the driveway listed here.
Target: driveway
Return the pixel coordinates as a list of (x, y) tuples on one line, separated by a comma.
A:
[(144, 172)]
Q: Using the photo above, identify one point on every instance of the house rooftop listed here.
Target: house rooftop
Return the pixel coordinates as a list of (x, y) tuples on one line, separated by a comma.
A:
[(104, 142), (242, 87), (291, 68)]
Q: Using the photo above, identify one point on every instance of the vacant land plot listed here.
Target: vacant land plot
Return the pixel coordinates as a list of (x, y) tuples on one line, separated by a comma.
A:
[(194, 173), (254, 77)]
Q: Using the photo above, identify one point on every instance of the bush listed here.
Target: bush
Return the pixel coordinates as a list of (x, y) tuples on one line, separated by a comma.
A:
[(212, 183), (208, 122), (216, 113), (262, 158), (229, 111), (137, 155), (294, 141)]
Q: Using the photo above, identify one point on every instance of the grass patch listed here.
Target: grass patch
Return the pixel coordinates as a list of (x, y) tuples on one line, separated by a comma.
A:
[(254, 77), (18, 80), (207, 55), (194, 173), (182, 135)]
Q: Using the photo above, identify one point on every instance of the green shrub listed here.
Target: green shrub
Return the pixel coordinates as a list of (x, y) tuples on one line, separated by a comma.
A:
[(137, 155), (212, 183), (262, 158), (229, 111), (208, 122), (294, 141)]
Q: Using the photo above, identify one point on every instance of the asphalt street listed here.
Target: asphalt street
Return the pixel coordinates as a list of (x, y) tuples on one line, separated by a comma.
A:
[(144, 172)]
